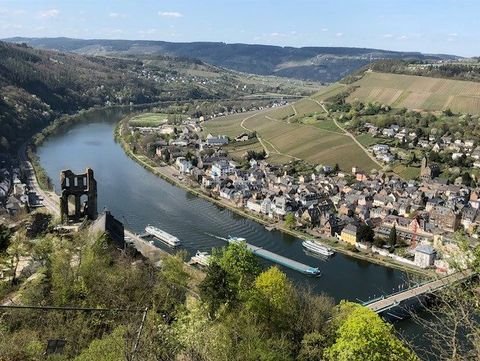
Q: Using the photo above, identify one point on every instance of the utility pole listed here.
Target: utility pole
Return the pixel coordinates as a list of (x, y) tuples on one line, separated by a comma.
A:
[(137, 341)]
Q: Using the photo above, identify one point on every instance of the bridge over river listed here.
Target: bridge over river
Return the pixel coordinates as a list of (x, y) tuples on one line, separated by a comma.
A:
[(386, 303)]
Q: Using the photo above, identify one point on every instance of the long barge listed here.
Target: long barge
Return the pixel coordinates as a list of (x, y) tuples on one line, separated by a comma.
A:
[(273, 257)]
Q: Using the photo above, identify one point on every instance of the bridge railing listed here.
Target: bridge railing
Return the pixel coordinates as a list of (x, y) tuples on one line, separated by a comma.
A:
[(444, 281)]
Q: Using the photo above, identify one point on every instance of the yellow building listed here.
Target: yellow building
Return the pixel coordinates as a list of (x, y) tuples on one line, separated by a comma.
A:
[(349, 234)]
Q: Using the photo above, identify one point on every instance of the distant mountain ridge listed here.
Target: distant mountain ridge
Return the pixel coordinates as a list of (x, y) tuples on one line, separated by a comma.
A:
[(325, 64)]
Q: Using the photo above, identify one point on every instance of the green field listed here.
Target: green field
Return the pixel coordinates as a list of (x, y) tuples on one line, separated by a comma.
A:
[(149, 119), (238, 150), (416, 92), (315, 141), (328, 92), (407, 172), (368, 140)]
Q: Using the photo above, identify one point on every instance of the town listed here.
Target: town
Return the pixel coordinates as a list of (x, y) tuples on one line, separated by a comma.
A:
[(410, 222)]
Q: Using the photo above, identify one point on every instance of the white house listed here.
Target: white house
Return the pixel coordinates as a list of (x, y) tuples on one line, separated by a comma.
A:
[(425, 256), (457, 155), (254, 205), (380, 148), (221, 168), (388, 133), (388, 158), (216, 141), (279, 206), (183, 165), (266, 206)]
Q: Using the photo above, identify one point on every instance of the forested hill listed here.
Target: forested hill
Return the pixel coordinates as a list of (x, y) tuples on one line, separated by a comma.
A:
[(326, 64), (37, 85)]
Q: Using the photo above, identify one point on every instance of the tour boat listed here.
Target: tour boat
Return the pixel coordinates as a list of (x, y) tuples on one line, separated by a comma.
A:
[(163, 236), (236, 239), (317, 248)]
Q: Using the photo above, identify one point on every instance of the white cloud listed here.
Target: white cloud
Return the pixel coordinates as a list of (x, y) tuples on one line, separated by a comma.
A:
[(116, 15), (170, 14), (51, 13), (453, 35), (338, 35), (325, 29), (402, 37), (388, 36)]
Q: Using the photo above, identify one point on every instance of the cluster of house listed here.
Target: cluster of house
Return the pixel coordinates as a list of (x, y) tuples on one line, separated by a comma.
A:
[(159, 76), (13, 193), (426, 214), (457, 148)]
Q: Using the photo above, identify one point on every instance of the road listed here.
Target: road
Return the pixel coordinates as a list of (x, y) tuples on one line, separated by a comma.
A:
[(348, 134), (262, 141), (50, 199)]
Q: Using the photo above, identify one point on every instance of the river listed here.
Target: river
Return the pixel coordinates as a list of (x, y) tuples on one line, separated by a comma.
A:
[(137, 197)]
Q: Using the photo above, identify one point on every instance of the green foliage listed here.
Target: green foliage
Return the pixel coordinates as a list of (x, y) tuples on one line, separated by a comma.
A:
[(392, 237), (216, 288), (290, 221), (312, 347), (365, 234), (109, 348), (361, 335), (273, 299), (266, 318), (170, 290), (5, 235), (240, 264)]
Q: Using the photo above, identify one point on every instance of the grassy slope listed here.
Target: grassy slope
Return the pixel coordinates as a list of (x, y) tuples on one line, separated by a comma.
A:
[(316, 143), (416, 92)]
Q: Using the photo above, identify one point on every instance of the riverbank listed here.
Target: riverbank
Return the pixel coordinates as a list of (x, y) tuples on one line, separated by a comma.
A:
[(170, 175)]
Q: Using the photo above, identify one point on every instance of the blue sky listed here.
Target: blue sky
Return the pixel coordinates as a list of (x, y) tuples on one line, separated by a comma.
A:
[(433, 26)]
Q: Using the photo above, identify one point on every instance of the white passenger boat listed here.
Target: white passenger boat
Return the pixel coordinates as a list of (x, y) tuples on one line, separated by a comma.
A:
[(236, 239), (163, 236), (317, 248), (201, 258)]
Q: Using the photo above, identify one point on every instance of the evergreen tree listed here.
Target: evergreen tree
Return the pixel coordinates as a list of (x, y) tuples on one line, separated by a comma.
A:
[(392, 238)]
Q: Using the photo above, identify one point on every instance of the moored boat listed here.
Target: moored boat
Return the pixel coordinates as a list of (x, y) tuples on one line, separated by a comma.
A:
[(201, 258), (163, 236), (317, 248)]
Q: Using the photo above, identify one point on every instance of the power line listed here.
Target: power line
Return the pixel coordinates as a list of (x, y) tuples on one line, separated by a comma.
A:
[(71, 308)]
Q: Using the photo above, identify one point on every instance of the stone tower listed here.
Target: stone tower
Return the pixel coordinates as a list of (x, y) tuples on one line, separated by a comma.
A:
[(428, 170), (74, 187)]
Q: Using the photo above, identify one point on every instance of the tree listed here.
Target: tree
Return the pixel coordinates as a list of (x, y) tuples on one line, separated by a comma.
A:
[(109, 348), (452, 324), (5, 235), (216, 288), (362, 335), (365, 234), (240, 264), (312, 347), (290, 221), (273, 299), (392, 237), (466, 179), (171, 290), (17, 248)]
